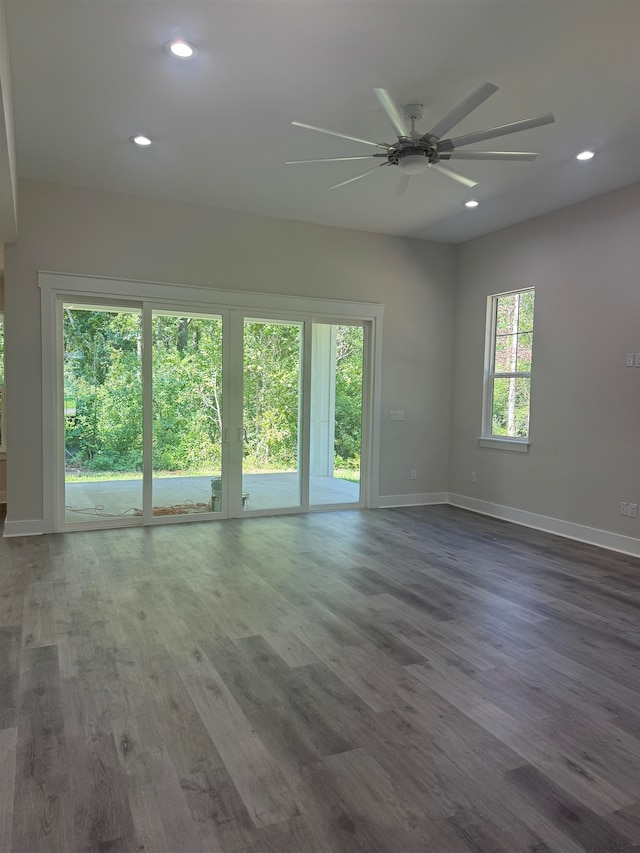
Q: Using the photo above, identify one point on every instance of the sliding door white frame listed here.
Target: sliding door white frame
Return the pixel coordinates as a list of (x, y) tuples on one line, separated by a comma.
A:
[(57, 288)]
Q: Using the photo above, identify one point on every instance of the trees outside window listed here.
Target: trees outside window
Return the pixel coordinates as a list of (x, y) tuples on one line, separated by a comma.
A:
[(507, 400), (103, 392)]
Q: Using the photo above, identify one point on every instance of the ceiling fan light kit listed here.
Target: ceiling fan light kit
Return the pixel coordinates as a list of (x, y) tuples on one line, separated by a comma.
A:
[(413, 163), (414, 153)]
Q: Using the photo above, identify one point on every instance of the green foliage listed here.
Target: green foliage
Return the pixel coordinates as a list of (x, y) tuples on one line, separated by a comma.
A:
[(516, 391), (271, 390), (103, 369), (513, 354), (348, 400), (187, 397)]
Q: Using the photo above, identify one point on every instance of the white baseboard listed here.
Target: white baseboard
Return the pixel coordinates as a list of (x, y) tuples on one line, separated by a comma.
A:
[(28, 527), (569, 530), (579, 532), (389, 501)]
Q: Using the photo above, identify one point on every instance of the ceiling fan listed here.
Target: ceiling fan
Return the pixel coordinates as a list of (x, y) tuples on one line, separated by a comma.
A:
[(414, 153)]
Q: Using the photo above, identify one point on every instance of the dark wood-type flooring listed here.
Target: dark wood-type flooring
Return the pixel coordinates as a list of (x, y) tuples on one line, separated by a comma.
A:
[(383, 681)]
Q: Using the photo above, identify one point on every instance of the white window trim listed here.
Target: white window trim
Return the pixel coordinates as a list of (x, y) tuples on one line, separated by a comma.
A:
[(520, 445), (486, 438)]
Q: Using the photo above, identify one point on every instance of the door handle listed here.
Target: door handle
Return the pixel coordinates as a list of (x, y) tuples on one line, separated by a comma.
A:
[(242, 434)]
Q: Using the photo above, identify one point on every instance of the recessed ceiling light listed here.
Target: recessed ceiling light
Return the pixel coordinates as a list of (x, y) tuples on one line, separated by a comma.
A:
[(181, 49), (471, 203), (585, 155), (140, 140)]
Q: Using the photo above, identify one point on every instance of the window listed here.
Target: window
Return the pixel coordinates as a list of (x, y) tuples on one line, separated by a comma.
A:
[(507, 389)]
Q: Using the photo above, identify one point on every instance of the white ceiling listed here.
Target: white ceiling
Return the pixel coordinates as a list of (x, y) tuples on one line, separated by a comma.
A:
[(87, 74)]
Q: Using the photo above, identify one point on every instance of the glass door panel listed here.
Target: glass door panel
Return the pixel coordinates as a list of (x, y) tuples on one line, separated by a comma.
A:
[(102, 364), (337, 357), (272, 365), (187, 413)]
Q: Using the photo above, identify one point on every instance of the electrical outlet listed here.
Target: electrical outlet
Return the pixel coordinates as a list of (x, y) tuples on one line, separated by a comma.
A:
[(474, 477), (413, 473), (630, 359), (623, 507), (632, 510)]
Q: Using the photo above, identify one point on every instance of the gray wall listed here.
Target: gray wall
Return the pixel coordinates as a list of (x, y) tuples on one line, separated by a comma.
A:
[(584, 262), (88, 232)]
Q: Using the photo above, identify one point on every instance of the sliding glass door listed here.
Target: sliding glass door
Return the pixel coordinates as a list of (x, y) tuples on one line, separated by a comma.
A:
[(270, 432), (337, 358), (102, 411), (187, 394), (171, 414)]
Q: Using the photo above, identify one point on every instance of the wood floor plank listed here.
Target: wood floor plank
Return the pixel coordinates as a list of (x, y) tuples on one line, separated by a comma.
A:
[(118, 845), (10, 644), (294, 836), (154, 690), (576, 821), (38, 622), (382, 816), (353, 682), (101, 809), (626, 822), (257, 778), (12, 594), (179, 829), (588, 686), (423, 635), (560, 760), (44, 819), (611, 754), (255, 774), (145, 810), (8, 743), (219, 813)]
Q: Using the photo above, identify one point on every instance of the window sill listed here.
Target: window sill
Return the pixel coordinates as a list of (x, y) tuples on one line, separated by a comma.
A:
[(519, 445)]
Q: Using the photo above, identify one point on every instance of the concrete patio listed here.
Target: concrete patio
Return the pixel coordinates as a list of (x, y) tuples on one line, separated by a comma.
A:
[(121, 498)]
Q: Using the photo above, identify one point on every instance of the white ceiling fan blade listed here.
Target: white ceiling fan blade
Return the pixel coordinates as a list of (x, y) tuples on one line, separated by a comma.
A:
[(461, 111), (488, 155), (493, 132), (393, 113), (357, 177), (403, 183), (341, 135), (467, 182), (332, 159)]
